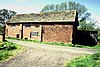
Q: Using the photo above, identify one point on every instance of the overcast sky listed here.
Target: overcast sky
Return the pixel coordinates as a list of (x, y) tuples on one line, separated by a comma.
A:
[(34, 6)]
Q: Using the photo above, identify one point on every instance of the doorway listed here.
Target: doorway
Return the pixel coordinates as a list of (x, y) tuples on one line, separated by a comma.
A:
[(17, 35)]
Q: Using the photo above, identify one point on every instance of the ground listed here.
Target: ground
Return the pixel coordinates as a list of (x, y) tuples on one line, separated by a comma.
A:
[(42, 55)]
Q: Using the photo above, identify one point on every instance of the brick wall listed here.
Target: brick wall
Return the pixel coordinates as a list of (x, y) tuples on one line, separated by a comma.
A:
[(50, 32), (32, 28), (12, 31), (57, 33)]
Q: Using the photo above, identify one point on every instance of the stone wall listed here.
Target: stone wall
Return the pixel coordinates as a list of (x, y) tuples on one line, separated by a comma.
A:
[(57, 33)]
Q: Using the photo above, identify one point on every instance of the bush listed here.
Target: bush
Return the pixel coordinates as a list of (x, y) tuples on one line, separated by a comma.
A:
[(8, 46)]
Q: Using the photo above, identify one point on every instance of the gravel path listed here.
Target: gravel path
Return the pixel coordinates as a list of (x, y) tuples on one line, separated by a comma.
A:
[(41, 55)]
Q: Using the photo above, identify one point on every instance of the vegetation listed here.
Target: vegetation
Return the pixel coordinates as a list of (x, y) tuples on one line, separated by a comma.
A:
[(85, 61), (57, 43), (83, 13), (7, 14), (81, 9), (1, 29), (98, 37), (98, 29), (88, 26), (8, 49)]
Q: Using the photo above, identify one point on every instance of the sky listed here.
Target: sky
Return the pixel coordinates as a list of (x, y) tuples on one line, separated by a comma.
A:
[(35, 6)]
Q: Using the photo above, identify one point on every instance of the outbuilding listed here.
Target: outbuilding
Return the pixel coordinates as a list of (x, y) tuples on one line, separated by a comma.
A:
[(46, 27)]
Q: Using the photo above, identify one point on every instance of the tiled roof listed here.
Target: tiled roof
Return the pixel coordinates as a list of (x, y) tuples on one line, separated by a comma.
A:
[(45, 17)]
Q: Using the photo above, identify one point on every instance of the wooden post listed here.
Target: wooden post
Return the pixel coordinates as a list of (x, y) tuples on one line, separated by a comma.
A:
[(40, 38)]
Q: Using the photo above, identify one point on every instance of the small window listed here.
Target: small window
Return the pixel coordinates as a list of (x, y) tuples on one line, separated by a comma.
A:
[(34, 33), (27, 25)]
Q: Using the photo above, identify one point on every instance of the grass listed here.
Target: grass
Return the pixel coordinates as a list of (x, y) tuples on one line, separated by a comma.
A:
[(98, 37), (85, 61), (57, 43), (8, 49), (36, 41)]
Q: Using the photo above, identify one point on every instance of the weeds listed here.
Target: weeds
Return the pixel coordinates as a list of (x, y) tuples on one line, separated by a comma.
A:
[(85, 61), (7, 49)]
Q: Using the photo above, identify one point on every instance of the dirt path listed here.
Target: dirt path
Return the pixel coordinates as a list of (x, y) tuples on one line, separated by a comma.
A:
[(40, 55)]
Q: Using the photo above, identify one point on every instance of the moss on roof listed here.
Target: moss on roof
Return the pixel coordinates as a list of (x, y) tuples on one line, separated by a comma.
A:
[(45, 17)]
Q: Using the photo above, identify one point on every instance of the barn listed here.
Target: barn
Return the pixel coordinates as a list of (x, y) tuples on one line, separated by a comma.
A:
[(45, 27)]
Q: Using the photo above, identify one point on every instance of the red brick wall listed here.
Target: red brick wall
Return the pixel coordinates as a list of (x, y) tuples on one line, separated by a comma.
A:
[(57, 33), (13, 31), (51, 33), (32, 28)]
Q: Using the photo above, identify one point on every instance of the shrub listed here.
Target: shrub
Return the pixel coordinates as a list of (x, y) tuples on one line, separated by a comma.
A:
[(8, 46)]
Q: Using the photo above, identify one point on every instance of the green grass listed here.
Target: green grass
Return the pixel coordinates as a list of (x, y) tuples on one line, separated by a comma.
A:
[(57, 43), (36, 41), (98, 37), (8, 49), (85, 61)]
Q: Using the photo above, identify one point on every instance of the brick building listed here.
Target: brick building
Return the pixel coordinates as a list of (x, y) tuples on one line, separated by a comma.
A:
[(46, 27)]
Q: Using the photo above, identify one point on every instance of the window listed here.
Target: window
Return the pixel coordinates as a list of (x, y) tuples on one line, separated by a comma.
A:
[(34, 33), (27, 25)]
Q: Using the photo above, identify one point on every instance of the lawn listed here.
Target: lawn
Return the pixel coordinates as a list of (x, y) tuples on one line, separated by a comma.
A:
[(85, 61), (8, 50)]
